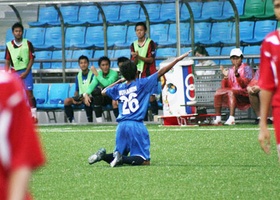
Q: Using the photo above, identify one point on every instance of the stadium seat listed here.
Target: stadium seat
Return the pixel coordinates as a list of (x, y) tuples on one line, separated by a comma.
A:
[(130, 37), (167, 13), (57, 55), (75, 36), (2, 57), (42, 55), (112, 13), (153, 10), (196, 9), (159, 33), (57, 93), (53, 37), (40, 92), (240, 6), (94, 37), (184, 34), (227, 12), (9, 35), (252, 9), (220, 33), (116, 35), (252, 50), (88, 14), (130, 13), (210, 10), (214, 51), (246, 31), (164, 53), (69, 13), (262, 28), (118, 53), (202, 32), (47, 15), (36, 35), (77, 53), (268, 12)]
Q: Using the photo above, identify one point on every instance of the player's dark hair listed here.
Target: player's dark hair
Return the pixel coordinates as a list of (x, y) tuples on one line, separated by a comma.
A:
[(128, 70), (17, 25), (122, 59), (82, 57), (141, 24), (104, 58)]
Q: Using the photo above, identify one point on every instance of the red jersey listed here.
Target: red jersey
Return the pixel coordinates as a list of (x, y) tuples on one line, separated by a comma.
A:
[(270, 66), (19, 142), (149, 69)]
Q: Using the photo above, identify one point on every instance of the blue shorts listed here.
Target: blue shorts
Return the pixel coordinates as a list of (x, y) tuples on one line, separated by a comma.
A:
[(28, 81), (133, 137)]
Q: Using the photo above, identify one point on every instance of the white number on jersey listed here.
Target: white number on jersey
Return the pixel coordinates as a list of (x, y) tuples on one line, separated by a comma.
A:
[(130, 103)]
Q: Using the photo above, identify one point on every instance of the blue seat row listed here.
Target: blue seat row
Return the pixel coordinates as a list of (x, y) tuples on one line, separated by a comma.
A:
[(75, 54), (120, 13)]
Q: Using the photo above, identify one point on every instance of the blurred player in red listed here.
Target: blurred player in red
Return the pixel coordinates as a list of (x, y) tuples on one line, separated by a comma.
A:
[(20, 149), (20, 56), (269, 84)]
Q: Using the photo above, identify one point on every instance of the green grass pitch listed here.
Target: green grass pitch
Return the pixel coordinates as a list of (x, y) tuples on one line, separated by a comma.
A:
[(218, 162)]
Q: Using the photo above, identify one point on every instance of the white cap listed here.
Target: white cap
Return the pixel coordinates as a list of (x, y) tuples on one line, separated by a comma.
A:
[(236, 52)]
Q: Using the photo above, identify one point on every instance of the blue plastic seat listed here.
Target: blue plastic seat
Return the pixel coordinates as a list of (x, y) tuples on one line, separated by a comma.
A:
[(47, 15), (36, 35), (252, 50), (184, 34), (75, 36), (53, 37), (57, 93), (42, 55), (130, 37), (88, 14), (69, 13), (159, 33), (220, 33), (58, 55), (227, 12), (164, 53), (129, 13), (116, 35), (196, 9), (202, 32), (240, 6), (77, 53), (40, 92), (214, 51), (262, 28), (211, 10), (112, 13), (246, 31), (153, 10), (9, 35), (94, 37), (167, 13)]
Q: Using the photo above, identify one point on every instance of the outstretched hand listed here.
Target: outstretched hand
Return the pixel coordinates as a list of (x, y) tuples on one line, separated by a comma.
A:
[(181, 57)]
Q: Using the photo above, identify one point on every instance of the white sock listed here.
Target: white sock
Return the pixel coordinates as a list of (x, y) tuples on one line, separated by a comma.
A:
[(231, 118), (219, 118), (98, 119), (34, 112)]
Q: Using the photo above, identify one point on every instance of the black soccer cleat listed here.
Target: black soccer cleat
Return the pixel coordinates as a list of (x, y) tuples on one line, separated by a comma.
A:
[(98, 156)]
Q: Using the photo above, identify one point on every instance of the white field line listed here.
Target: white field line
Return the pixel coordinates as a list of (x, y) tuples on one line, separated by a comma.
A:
[(113, 129)]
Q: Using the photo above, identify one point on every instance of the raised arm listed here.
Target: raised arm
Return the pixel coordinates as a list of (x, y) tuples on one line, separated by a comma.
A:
[(165, 69)]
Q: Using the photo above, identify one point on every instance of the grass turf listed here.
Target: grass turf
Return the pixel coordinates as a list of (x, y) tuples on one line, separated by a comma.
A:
[(218, 162)]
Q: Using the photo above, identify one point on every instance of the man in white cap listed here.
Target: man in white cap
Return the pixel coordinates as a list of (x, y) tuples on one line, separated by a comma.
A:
[(233, 93)]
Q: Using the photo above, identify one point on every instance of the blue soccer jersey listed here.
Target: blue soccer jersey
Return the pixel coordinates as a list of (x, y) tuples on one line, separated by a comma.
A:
[(133, 98)]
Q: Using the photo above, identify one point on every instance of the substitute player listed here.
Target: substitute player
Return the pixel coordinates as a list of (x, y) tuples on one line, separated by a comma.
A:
[(132, 136), (20, 150), (20, 56), (270, 86)]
